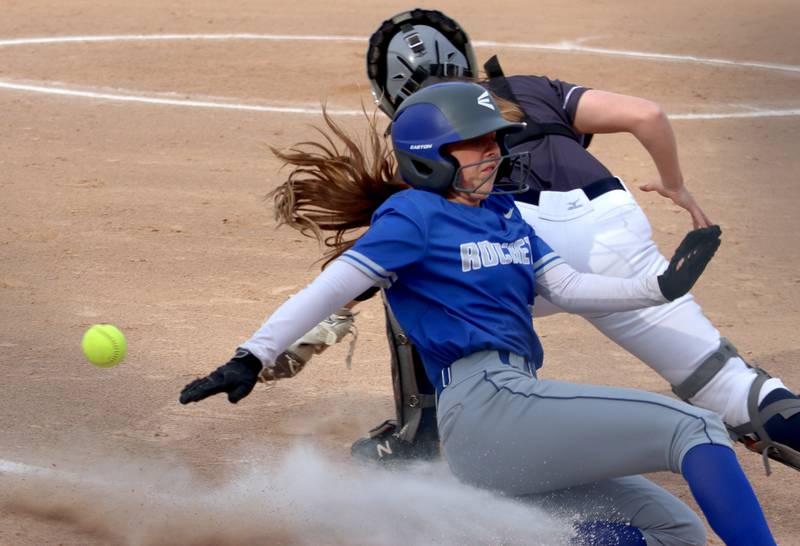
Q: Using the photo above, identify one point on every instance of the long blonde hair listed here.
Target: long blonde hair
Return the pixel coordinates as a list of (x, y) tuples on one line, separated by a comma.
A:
[(336, 184)]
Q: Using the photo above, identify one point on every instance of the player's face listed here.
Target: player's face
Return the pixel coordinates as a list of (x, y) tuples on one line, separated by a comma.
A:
[(479, 158)]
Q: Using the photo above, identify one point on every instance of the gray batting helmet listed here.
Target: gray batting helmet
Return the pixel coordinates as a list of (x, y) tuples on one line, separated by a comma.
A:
[(445, 113), (411, 46)]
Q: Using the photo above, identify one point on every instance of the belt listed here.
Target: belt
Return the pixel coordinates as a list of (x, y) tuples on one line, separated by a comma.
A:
[(476, 362), (593, 190)]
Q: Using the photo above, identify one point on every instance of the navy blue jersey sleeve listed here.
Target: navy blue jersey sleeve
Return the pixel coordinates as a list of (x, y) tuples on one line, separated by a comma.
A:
[(569, 95), (546, 100), (396, 239)]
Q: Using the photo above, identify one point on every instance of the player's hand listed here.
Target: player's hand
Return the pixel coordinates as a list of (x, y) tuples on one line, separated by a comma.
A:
[(689, 261), (237, 378), (684, 199)]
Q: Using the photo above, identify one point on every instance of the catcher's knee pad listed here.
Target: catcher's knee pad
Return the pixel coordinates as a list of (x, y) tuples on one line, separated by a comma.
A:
[(752, 434), (706, 371), (413, 393)]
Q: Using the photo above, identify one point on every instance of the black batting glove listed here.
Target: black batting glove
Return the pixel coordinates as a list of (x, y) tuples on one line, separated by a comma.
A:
[(237, 378), (689, 262)]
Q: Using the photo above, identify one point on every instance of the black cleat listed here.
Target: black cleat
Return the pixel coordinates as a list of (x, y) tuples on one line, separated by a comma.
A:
[(385, 446)]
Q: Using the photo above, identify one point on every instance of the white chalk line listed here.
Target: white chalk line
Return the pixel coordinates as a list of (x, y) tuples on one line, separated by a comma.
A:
[(752, 112), (23, 470), (171, 102), (562, 46), (20, 469), (738, 115), (47, 40), (573, 47)]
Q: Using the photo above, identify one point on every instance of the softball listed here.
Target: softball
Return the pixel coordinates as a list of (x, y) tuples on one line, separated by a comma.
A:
[(104, 345)]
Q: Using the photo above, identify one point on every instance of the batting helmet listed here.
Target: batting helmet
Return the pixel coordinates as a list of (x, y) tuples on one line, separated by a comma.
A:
[(445, 113), (411, 46)]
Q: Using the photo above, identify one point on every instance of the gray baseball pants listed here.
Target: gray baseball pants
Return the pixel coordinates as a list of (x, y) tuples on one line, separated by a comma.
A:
[(575, 448)]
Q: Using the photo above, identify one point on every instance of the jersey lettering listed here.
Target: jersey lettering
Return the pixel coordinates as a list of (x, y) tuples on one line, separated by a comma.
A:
[(470, 257), (488, 254), (504, 254), (485, 254), (525, 250)]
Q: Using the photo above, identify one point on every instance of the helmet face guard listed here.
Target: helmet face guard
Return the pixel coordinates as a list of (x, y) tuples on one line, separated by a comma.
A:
[(412, 46), (509, 176), (447, 113)]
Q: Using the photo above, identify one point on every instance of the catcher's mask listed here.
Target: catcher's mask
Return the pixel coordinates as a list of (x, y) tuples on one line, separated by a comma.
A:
[(411, 46), (446, 113)]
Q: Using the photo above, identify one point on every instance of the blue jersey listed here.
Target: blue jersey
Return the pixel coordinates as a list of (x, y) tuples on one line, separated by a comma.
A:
[(459, 279)]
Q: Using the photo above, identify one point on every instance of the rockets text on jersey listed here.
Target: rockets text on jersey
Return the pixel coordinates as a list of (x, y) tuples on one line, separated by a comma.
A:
[(487, 254)]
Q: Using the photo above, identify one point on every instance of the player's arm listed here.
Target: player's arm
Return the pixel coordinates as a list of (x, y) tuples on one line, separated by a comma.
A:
[(394, 241), (339, 284), (605, 112), (577, 292)]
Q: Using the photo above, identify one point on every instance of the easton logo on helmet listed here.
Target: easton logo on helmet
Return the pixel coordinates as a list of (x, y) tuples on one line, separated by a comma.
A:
[(485, 100), (445, 113)]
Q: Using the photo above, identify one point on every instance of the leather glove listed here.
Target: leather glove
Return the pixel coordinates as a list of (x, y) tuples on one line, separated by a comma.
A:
[(237, 378), (689, 261)]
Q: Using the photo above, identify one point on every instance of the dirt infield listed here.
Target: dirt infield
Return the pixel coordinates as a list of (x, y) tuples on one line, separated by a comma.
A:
[(132, 177)]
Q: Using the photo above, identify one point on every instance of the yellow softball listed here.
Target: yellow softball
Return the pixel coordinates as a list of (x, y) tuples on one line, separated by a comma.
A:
[(104, 345)]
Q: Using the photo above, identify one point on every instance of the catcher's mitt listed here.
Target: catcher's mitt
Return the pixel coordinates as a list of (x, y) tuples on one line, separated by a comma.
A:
[(328, 332)]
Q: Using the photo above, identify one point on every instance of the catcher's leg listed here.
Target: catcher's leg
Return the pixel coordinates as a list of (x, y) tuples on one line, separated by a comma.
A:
[(679, 343), (675, 339), (773, 426), (414, 434)]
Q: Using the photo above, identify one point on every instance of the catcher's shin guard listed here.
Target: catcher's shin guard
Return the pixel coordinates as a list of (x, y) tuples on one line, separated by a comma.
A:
[(328, 332), (413, 436), (753, 434), (408, 376)]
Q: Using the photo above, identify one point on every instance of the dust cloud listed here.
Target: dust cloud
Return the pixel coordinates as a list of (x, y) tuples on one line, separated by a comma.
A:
[(301, 498)]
